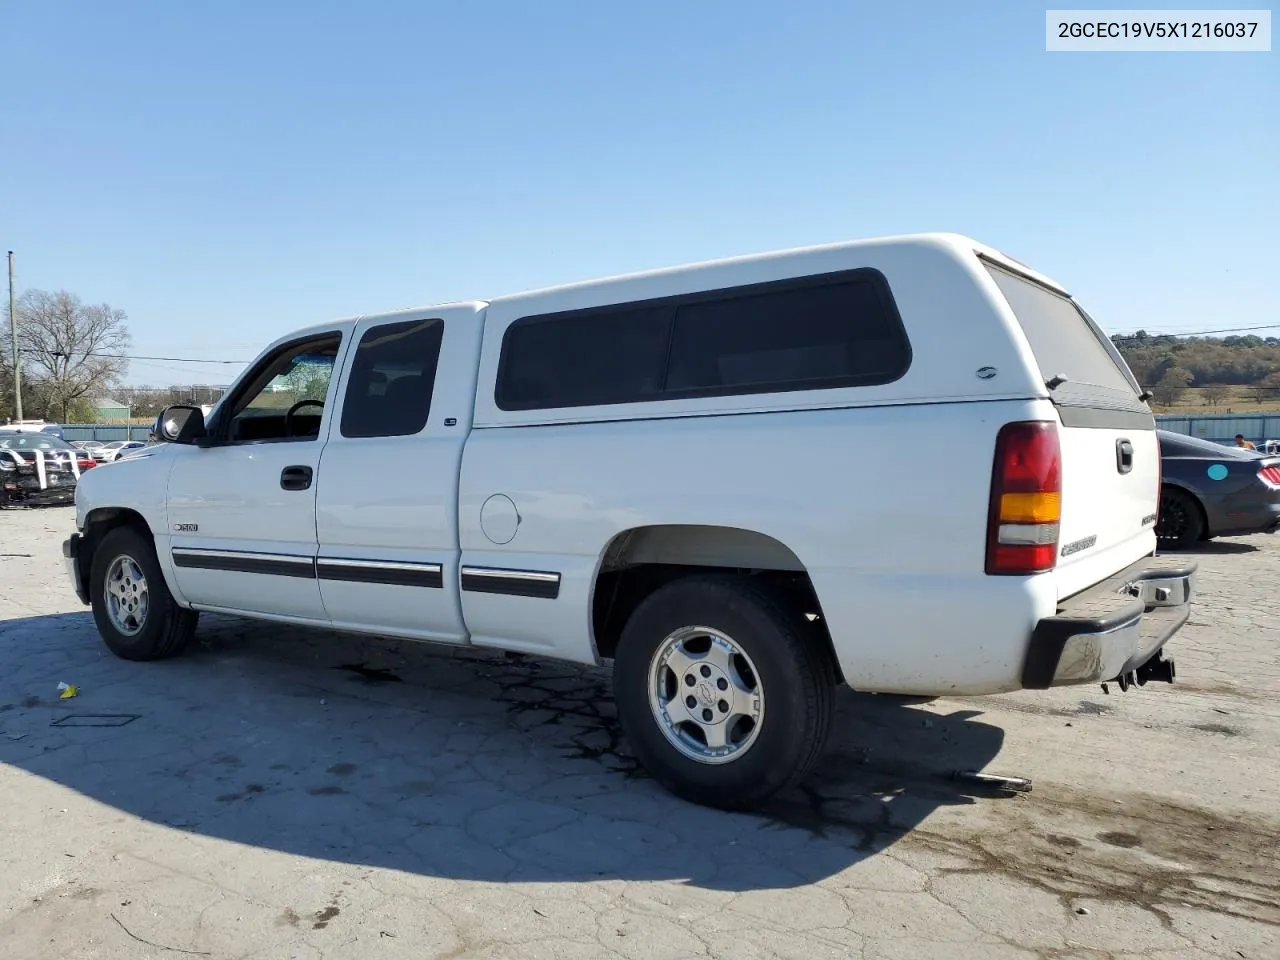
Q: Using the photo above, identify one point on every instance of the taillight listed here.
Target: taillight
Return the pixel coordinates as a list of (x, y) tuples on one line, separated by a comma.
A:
[(1026, 499), (1270, 475)]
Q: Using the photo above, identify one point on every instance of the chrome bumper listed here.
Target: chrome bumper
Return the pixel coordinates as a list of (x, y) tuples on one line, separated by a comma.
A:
[(1111, 629)]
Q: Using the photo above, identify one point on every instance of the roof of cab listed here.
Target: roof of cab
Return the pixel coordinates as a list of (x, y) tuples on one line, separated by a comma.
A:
[(347, 324)]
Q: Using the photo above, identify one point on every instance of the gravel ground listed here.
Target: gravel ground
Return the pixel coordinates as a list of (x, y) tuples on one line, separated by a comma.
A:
[(287, 793)]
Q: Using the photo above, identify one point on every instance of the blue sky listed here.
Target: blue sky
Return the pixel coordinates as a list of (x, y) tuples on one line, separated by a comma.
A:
[(226, 172)]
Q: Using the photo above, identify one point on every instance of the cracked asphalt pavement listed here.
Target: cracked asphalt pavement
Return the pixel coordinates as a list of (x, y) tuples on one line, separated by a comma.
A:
[(281, 793)]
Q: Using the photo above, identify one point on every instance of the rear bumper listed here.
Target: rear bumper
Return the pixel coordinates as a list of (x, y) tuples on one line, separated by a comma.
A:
[(1111, 629), (71, 548)]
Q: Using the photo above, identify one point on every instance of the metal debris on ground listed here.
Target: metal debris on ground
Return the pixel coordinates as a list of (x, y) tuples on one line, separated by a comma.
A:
[(1015, 784)]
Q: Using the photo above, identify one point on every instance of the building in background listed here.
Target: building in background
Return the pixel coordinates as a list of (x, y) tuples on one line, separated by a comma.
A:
[(1223, 427), (105, 409)]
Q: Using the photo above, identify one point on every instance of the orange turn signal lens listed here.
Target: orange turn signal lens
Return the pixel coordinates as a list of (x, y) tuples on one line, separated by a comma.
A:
[(1030, 507)]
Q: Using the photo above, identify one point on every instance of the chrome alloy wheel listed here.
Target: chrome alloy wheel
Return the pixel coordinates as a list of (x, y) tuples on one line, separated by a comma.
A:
[(125, 594), (706, 695)]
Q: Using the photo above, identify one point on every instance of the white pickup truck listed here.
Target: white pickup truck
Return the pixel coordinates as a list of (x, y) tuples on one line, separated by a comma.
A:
[(707, 475)]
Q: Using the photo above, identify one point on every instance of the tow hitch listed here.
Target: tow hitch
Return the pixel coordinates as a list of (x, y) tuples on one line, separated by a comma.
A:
[(1156, 669)]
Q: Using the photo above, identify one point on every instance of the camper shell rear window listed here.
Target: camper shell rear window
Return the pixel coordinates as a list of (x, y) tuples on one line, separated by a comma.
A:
[(1065, 342)]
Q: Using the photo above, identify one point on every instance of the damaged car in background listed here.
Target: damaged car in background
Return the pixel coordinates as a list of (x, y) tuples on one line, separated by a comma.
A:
[(38, 469)]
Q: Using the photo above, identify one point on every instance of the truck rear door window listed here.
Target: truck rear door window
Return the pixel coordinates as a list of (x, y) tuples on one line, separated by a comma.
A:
[(392, 379)]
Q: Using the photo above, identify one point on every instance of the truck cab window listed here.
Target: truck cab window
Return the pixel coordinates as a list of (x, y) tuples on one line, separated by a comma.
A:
[(392, 378), (285, 399)]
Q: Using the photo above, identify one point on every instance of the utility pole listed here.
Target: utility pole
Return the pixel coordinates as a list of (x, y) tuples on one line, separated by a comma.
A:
[(17, 354)]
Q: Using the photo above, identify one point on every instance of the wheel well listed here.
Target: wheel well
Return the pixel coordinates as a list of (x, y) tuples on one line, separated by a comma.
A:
[(643, 559), (1205, 533), (99, 523)]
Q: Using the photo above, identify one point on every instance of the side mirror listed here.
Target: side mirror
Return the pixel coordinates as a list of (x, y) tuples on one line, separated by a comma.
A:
[(181, 424)]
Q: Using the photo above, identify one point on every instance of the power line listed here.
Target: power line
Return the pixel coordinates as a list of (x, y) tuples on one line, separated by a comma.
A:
[(121, 356), (174, 368), (1198, 333)]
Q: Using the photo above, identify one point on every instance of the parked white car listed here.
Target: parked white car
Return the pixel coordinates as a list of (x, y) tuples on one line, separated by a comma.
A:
[(697, 473), (110, 452)]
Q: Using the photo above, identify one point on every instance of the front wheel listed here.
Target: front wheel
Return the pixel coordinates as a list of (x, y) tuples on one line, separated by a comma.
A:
[(135, 613), (724, 695)]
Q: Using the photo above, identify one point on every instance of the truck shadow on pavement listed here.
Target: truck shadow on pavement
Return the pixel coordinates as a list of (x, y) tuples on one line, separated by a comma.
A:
[(445, 762), (1211, 548), (1221, 548)]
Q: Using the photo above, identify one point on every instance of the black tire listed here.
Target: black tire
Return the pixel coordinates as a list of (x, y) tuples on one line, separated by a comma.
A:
[(165, 627), (1181, 522), (794, 673)]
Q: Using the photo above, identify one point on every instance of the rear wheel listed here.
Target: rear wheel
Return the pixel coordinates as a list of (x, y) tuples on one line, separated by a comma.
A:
[(724, 694), (135, 613), (1181, 522)]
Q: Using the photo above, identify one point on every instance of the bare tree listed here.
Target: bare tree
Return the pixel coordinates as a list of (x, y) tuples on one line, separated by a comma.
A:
[(1170, 387), (71, 346), (6, 366), (142, 401), (1215, 393), (6, 385), (1266, 388)]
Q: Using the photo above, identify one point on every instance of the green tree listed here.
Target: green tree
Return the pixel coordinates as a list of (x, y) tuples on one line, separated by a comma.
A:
[(308, 381)]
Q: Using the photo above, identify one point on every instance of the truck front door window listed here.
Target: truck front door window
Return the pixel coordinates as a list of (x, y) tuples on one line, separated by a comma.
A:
[(285, 401)]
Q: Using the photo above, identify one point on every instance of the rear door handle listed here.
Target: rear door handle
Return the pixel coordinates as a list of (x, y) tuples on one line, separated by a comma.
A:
[(295, 478), (1124, 456)]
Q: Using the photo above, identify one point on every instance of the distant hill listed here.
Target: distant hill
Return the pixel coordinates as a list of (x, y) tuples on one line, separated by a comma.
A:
[(1234, 372)]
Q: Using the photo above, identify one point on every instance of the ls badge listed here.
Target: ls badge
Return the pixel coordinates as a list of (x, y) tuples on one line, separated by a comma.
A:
[(186, 527)]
